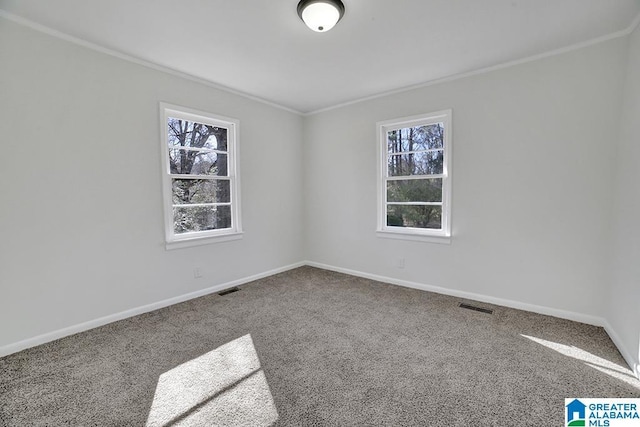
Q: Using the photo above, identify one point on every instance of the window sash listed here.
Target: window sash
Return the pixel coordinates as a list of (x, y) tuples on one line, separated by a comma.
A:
[(202, 205), (201, 150), (201, 177), (411, 203), (384, 178), (402, 153), (222, 234), (406, 177)]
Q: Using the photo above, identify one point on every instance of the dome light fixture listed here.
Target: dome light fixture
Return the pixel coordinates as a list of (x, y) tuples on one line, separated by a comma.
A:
[(320, 15)]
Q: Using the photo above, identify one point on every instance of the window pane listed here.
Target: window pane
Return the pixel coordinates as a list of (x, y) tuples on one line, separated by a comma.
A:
[(197, 163), (189, 191), (426, 163), (414, 216), (201, 218), (415, 190), (416, 138), (184, 133)]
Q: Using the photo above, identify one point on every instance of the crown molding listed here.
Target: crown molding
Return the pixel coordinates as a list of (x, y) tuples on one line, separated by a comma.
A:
[(622, 33), (129, 58)]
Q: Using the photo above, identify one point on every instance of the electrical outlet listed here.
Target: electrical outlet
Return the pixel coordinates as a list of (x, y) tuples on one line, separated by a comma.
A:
[(400, 262), (197, 274)]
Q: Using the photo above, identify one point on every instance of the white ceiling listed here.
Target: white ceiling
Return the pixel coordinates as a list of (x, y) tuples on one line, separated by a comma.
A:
[(262, 48)]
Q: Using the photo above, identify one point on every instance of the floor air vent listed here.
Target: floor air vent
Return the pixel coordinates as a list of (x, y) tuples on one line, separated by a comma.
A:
[(474, 308), (228, 291)]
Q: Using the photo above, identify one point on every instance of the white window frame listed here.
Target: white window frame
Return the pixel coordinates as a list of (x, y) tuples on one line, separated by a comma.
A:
[(173, 240), (442, 235)]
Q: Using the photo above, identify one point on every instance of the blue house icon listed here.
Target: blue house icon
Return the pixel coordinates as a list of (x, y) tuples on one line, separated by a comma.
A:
[(575, 407)]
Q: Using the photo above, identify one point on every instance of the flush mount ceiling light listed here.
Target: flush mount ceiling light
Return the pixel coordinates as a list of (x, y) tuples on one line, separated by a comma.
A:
[(320, 15)]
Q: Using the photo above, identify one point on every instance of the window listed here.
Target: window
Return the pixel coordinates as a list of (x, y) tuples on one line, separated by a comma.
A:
[(414, 185), (200, 177)]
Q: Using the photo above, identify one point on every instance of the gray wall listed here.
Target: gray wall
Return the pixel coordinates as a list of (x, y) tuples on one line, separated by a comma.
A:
[(624, 309), (82, 231), (533, 165)]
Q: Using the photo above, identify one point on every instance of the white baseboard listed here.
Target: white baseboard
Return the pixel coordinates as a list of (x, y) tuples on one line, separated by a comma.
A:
[(628, 356), (578, 317), (563, 314), (81, 327)]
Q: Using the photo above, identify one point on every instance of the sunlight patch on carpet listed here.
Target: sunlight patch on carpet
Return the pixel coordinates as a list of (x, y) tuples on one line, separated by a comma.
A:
[(602, 365), (225, 386)]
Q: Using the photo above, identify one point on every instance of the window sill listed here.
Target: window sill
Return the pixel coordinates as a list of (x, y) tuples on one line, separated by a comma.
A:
[(416, 237), (205, 240)]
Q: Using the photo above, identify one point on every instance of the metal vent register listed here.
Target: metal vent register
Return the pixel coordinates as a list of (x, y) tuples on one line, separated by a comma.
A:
[(474, 308), (228, 291)]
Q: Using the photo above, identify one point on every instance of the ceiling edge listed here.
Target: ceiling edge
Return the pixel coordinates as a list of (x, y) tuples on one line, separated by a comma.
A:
[(129, 58), (148, 64), (622, 33)]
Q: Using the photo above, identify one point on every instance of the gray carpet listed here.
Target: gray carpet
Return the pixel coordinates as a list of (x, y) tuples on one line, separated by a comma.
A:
[(311, 347)]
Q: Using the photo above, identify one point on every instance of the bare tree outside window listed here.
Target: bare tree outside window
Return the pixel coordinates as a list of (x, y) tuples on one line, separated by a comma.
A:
[(199, 152), (415, 152)]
